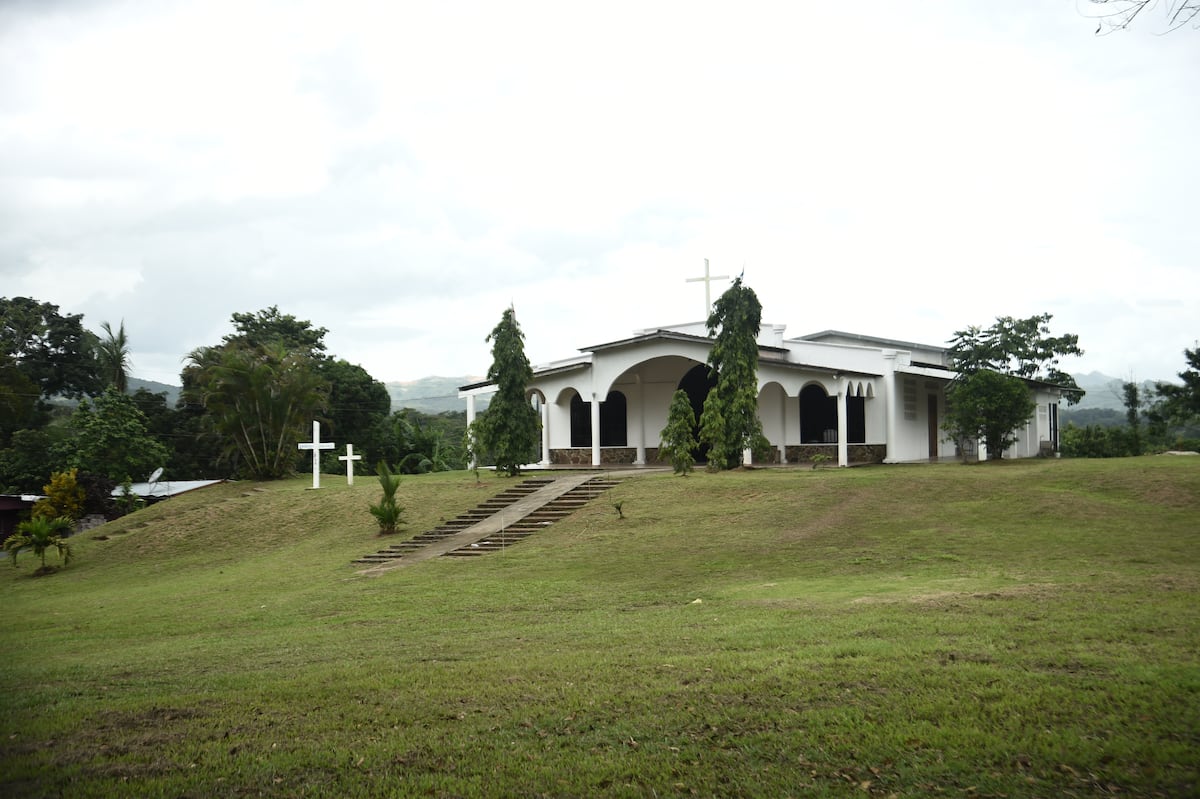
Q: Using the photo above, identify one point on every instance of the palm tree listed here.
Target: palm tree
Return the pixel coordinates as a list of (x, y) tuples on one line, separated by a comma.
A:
[(39, 534), (259, 399), (112, 355)]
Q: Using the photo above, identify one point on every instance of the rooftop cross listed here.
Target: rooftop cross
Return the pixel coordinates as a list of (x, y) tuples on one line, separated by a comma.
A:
[(707, 281), (316, 445), (349, 458)]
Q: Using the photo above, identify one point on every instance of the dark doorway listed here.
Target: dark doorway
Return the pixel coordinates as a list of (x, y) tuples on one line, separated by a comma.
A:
[(613, 425), (697, 383), (581, 422), (613, 421), (933, 426), (818, 416), (856, 420)]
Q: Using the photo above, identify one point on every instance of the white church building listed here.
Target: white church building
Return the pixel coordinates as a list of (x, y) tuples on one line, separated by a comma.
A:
[(847, 397)]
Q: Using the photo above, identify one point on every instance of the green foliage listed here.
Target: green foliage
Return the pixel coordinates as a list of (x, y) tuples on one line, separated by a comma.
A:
[(678, 439), (112, 357), (40, 534), (1095, 441), (988, 406), (270, 329), (65, 497), (26, 465), (358, 409), (388, 513), (110, 438), (260, 400), (52, 351), (417, 441), (729, 422), (1021, 347), (128, 502), (1179, 404), (509, 428), (19, 405)]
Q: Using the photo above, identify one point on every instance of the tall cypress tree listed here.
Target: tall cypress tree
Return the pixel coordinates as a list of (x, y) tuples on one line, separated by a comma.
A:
[(509, 427), (730, 423)]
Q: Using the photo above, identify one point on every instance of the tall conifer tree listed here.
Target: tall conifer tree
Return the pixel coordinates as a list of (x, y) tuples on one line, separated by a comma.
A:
[(509, 428), (729, 423)]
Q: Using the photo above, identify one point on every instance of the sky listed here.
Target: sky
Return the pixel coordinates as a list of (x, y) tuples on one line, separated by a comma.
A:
[(402, 172)]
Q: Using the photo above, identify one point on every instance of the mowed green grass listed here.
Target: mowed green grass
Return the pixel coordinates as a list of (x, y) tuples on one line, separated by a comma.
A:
[(1016, 629)]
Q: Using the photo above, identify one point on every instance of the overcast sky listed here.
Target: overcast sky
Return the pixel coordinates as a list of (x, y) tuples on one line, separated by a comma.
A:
[(399, 173)]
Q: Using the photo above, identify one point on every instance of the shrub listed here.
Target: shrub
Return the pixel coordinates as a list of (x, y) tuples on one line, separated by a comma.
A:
[(40, 534), (387, 512), (65, 498)]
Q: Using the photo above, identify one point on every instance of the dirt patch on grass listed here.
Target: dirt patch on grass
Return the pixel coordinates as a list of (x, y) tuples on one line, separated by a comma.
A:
[(943, 598)]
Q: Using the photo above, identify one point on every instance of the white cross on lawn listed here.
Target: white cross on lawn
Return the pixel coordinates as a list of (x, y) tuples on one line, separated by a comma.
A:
[(349, 458), (316, 446)]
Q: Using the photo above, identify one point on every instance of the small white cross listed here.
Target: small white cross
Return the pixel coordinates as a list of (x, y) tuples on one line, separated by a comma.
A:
[(316, 445), (349, 458), (707, 281)]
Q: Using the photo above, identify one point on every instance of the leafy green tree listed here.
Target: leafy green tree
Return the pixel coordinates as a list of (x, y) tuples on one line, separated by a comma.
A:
[(988, 406), (110, 438), (1131, 399), (1180, 403), (259, 399), (48, 350), (19, 405), (358, 404), (729, 422), (677, 441), (40, 534), (26, 465), (509, 427), (112, 357), (268, 328), (1020, 347)]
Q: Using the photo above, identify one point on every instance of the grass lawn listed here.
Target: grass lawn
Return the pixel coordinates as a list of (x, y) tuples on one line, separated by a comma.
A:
[(1017, 629)]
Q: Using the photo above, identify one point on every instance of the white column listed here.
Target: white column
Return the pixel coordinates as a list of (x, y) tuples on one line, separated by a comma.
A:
[(889, 384), (595, 430), (639, 427), (843, 444), (545, 433), (783, 417)]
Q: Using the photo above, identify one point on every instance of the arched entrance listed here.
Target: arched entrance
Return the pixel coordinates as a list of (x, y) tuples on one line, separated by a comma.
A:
[(697, 383)]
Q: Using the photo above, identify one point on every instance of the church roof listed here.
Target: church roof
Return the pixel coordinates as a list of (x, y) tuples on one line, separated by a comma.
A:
[(666, 335), (870, 341)]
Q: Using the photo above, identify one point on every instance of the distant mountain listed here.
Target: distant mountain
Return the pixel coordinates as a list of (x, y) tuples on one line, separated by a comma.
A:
[(428, 395), (432, 394), (172, 392), (1104, 391)]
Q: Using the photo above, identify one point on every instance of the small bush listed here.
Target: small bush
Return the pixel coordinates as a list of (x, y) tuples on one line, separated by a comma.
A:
[(388, 513)]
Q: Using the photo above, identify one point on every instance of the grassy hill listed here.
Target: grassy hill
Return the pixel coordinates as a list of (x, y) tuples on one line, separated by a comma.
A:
[(1015, 629)]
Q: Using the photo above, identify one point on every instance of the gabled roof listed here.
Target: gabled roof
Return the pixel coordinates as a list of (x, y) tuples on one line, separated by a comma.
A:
[(871, 341), (665, 335)]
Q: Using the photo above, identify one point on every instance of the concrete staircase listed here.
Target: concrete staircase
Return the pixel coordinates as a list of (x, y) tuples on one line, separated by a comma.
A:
[(558, 508), (497, 523)]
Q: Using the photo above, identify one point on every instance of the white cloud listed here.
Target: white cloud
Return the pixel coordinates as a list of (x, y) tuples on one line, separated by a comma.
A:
[(401, 172)]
